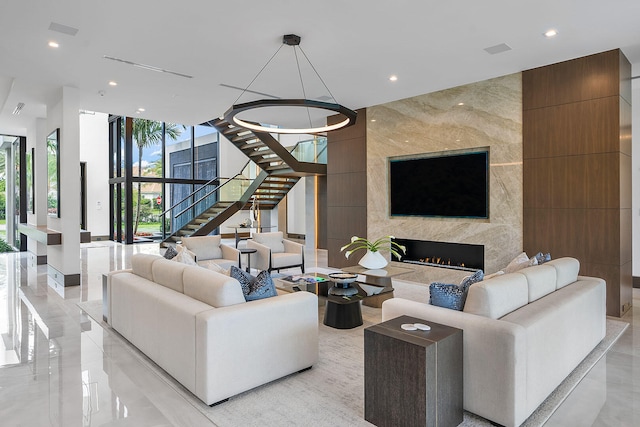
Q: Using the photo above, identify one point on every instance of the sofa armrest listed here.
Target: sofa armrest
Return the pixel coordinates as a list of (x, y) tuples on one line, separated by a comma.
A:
[(293, 247), (262, 258), (242, 346), (494, 358), (230, 253), (107, 293)]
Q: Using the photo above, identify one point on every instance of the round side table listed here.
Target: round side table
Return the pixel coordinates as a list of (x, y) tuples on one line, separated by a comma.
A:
[(247, 251)]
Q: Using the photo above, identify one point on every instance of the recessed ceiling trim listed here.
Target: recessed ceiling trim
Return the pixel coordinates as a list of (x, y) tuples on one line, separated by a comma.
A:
[(147, 67), (64, 29), (249, 90)]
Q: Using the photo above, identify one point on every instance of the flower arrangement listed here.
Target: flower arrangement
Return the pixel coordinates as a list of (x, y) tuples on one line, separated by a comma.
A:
[(385, 243)]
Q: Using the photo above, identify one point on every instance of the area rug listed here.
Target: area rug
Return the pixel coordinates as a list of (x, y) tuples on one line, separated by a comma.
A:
[(332, 392)]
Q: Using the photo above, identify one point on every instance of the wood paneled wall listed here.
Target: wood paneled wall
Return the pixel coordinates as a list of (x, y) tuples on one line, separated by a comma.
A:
[(577, 167), (346, 187)]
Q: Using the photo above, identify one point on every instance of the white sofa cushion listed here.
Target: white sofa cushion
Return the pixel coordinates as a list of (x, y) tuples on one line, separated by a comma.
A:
[(560, 329), (212, 288), (169, 274), (272, 240), (566, 269), (219, 265), (141, 265), (541, 280), (205, 247), (498, 296)]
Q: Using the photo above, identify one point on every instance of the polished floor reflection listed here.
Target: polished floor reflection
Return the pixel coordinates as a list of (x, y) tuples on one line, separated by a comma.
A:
[(59, 367)]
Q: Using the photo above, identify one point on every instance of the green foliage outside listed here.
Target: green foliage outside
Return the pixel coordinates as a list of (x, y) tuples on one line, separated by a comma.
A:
[(3, 199), (147, 133), (4, 247)]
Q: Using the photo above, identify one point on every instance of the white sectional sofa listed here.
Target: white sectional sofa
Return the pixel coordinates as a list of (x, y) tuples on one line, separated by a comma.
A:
[(524, 332), (195, 324)]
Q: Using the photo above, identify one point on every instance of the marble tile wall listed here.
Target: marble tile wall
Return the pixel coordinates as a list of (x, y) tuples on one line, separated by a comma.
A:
[(482, 114)]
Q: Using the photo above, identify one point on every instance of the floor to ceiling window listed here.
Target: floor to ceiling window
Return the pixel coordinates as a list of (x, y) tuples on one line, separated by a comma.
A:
[(156, 166)]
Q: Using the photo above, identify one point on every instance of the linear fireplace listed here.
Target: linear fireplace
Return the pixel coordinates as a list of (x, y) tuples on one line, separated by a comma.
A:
[(459, 256)]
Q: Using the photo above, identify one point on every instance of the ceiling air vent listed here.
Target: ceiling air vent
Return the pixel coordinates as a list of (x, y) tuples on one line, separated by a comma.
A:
[(499, 48)]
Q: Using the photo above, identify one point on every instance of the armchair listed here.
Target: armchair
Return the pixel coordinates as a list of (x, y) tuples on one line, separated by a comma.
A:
[(209, 248), (274, 252)]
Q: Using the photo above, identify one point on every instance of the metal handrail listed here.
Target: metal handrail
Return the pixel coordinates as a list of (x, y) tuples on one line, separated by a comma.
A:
[(198, 189), (207, 195)]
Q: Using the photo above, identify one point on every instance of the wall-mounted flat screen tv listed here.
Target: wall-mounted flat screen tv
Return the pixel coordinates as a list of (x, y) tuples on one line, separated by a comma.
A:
[(444, 185)]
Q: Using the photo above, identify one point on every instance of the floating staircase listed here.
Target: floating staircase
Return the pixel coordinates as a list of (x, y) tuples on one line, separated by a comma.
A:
[(280, 171)]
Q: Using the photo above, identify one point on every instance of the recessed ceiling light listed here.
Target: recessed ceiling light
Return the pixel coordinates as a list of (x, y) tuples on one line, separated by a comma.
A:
[(137, 112), (460, 103), (53, 44), (373, 120), (112, 83), (551, 33), (141, 109), (393, 78)]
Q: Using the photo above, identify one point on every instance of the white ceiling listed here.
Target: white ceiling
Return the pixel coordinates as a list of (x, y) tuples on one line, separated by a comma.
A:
[(355, 45)]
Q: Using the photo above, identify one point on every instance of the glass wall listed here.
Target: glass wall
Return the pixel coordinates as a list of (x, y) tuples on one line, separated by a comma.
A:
[(159, 167)]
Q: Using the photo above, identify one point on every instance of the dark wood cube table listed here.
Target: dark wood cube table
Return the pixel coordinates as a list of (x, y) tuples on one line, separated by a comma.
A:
[(413, 378)]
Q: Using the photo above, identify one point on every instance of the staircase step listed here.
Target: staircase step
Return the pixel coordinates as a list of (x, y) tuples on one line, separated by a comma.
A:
[(241, 139), (258, 153), (270, 191), (218, 123), (251, 145), (281, 166)]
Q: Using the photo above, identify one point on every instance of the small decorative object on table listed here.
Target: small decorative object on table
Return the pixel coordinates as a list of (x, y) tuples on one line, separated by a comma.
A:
[(373, 259), (342, 284)]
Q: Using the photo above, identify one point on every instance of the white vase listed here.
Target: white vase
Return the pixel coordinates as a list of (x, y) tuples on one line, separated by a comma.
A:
[(373, 260)]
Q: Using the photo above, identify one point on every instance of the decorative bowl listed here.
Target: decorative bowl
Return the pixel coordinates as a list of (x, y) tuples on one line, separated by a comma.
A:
[(343, 278)]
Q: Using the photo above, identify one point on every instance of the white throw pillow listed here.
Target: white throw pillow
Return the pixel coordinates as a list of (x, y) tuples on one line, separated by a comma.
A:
[(519, 262), (497, 273), (211, 265), (183, 256)]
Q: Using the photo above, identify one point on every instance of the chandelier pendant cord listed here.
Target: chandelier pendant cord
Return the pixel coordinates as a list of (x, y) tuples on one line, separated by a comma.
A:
[(349, 116), (304, 92), (260, 72), (317, 74)]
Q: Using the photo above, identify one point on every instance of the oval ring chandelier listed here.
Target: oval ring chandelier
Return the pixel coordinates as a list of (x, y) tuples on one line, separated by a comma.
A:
[(349, 116)]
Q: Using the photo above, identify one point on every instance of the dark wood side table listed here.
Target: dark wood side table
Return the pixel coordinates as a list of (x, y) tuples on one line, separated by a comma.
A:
[(248, 252), (413, 378)]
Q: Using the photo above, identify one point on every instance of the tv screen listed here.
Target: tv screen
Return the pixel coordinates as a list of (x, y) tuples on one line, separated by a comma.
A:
[(455, 185)]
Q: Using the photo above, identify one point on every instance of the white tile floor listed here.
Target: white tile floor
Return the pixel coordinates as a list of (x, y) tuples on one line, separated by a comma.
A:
[(59, 368)]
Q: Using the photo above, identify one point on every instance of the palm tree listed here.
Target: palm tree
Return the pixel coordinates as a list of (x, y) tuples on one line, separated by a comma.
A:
[(145, 134)]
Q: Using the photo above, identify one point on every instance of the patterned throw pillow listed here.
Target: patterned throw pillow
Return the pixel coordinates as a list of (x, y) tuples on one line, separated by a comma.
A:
[(476, 277), (170, 253), (254, 288), (243, 277), (262, 287), (542, 258), (447, 295), (453, 296)]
